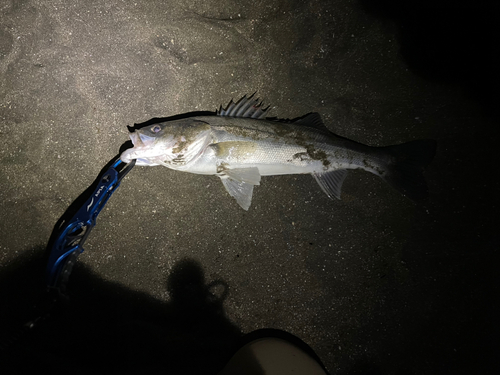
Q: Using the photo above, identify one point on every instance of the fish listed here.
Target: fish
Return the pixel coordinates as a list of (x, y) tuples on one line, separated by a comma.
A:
[(241, 143)]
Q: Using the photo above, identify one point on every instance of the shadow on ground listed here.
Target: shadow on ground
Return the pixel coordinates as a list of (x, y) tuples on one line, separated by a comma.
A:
[(105, 327)]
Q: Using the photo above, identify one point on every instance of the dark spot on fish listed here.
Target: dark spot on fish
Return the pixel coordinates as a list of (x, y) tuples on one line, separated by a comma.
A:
[(179, 159), (368, 164), (179, 147), (303, 156), (222, 167), (317, 154), (313, 152)]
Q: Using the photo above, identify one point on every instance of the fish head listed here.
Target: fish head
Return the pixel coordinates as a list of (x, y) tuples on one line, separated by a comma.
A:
[(172, 144)]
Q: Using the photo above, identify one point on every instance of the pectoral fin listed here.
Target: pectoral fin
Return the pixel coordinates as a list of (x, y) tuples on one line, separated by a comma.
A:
[(248, 175), (239, 183)]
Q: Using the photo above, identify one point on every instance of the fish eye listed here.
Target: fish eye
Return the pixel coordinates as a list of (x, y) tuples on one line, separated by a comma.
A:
[(156, 128)]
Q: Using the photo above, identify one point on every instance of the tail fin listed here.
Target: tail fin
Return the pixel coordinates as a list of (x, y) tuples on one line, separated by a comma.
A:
[(407, 163)]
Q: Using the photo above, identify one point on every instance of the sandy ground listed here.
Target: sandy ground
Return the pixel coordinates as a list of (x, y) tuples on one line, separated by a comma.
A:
[(175, 271)]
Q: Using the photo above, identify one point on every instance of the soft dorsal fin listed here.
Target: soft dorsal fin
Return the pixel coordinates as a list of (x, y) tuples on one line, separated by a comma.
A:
[(312, 120), (245, 107)]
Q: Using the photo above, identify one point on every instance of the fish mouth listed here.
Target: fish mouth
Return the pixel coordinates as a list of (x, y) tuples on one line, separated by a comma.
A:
[(130, 154), (141, 140), (142, 144), (146, 140), (136, 140), (127, 155)]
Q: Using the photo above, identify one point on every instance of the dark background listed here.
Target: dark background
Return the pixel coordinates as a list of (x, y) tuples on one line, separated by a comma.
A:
[(175, 272)]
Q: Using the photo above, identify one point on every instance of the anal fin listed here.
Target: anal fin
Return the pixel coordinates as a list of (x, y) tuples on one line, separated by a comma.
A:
[(331, 182)]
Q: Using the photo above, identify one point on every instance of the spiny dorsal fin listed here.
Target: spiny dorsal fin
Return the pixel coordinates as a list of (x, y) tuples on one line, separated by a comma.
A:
[(245, 107)]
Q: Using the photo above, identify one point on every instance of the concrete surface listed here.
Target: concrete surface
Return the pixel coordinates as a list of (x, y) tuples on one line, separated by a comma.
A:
[(175, 272)]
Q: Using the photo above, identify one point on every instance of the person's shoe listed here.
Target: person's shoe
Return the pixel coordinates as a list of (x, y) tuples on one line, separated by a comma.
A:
[(273, 355)]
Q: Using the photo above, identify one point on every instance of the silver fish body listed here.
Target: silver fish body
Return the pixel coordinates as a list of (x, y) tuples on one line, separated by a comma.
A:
[(240, 145)]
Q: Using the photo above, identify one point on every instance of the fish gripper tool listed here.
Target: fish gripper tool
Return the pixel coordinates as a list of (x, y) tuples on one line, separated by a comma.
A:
[(69, 236)]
